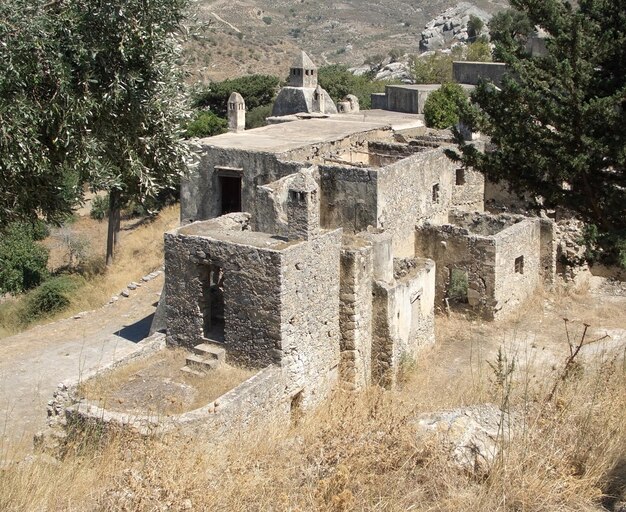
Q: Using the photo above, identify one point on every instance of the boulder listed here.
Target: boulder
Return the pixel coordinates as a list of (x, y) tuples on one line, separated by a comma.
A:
[(473, 435)]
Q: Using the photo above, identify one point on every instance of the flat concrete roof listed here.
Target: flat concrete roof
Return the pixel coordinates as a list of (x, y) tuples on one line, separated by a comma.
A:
[(300, 133)]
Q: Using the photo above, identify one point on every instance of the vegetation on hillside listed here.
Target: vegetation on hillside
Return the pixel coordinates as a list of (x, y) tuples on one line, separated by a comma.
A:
[(339, 82), (557, 122), (443, 106)]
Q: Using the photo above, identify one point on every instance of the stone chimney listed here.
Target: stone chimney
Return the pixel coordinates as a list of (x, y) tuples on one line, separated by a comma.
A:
[(303, 208), (236, 113), (319, 101)]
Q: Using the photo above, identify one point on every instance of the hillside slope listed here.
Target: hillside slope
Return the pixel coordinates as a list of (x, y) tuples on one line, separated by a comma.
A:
[(247, 36)]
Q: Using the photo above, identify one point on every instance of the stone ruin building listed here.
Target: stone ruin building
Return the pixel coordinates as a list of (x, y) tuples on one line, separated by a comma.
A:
[(318, 249)]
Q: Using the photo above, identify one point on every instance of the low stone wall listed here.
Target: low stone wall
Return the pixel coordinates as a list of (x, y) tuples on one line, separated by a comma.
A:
[(259, 398)]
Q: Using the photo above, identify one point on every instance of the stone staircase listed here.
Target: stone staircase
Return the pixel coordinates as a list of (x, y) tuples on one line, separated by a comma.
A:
[(204, 358)]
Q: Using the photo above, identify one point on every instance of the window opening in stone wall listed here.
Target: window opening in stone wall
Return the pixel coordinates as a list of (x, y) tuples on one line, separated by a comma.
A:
[(230, 194), (460, 176), (459, 285), (519, 265), (212, 302), (436, 193), (296, 407)]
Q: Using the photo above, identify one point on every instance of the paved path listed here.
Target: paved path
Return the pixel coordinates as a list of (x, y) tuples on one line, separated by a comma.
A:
[(33, 363)]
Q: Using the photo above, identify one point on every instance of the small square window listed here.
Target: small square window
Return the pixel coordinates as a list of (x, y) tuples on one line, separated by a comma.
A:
[(460, 176), (436, 193), (519, 265)]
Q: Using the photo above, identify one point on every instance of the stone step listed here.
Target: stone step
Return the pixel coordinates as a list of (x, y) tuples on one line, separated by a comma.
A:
[(210, 351), (191, 371), (202, 363)]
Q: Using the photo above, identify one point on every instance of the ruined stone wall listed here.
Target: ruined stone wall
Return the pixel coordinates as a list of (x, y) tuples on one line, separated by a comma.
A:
[(355, 319), (455, 249), (515, 284), (200, 191), (468, 190), (403, 320), (309, 312), (348, 197), (406, 198), (252, 285)]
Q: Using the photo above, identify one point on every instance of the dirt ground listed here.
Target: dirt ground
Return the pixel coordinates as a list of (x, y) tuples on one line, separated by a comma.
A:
[(156, 385), (34, 362)]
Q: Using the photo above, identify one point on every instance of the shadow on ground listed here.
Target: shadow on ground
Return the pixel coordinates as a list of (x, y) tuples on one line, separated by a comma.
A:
[(137, 331)]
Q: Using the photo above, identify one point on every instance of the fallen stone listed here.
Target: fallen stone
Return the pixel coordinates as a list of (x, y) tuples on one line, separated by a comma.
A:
[(474, 435), (125, 293)]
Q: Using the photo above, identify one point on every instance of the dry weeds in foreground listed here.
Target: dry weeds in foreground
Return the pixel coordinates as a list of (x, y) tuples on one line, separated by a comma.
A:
[(360, 453)]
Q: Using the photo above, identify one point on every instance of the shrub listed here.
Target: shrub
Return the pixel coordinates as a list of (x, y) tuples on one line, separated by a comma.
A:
[(480, 51), (257, 116), (23, 262), (267, 20), (443, 106), (338, 82), (459, 285), (99, 207), (51, 297), (206, 124)]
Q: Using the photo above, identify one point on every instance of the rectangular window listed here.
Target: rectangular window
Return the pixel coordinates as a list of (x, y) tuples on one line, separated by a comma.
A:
[(460, 176), (519, 265), (436, 193)]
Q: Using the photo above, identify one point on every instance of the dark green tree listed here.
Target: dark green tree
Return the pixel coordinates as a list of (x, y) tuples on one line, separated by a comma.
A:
[(558, 122), (339, 82), (206, 124), (443, 106), (509, 30), (257, 91), (474, 27), (43, 114), (129, 50)]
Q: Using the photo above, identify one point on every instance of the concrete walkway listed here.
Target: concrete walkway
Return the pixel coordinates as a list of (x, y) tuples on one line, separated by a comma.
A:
[(33, 363)]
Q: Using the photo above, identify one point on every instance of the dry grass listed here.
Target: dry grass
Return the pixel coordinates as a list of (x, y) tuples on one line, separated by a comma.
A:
[(140, 252), (156, 385), (360, 452)]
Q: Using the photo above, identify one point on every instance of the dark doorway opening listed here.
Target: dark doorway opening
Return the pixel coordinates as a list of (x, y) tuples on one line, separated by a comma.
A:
[(230, 187), (212, 302)]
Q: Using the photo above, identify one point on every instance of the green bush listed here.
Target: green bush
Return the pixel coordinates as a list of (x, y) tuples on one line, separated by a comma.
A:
[(257, 116), (443, 107), (339, 82), (23, 262), (206, 124), (99, 207), (267, 20), (51, 297), (256, 90), (459, 285)]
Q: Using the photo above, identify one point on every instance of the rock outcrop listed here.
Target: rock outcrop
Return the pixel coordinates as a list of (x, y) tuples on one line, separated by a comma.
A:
[(451, 26)]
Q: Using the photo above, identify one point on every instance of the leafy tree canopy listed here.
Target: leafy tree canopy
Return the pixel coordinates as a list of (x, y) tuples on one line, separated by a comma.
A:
[(509, 30), (91, 94), (557, 124), (443, 106), (257, 90), (339, 82)]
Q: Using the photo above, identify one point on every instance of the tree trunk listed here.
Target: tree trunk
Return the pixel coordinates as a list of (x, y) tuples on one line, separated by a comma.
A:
[(113, 227)]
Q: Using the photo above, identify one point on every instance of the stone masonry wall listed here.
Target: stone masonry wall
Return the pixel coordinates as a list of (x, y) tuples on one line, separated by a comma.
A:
[(252, 285), (514, 284), (403, 320), (406, 196), (309, 312), (454, 248), (355, 317), (348, 197)]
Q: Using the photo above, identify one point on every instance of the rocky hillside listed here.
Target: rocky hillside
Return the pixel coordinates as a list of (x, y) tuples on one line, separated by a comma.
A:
[(239, 37)]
